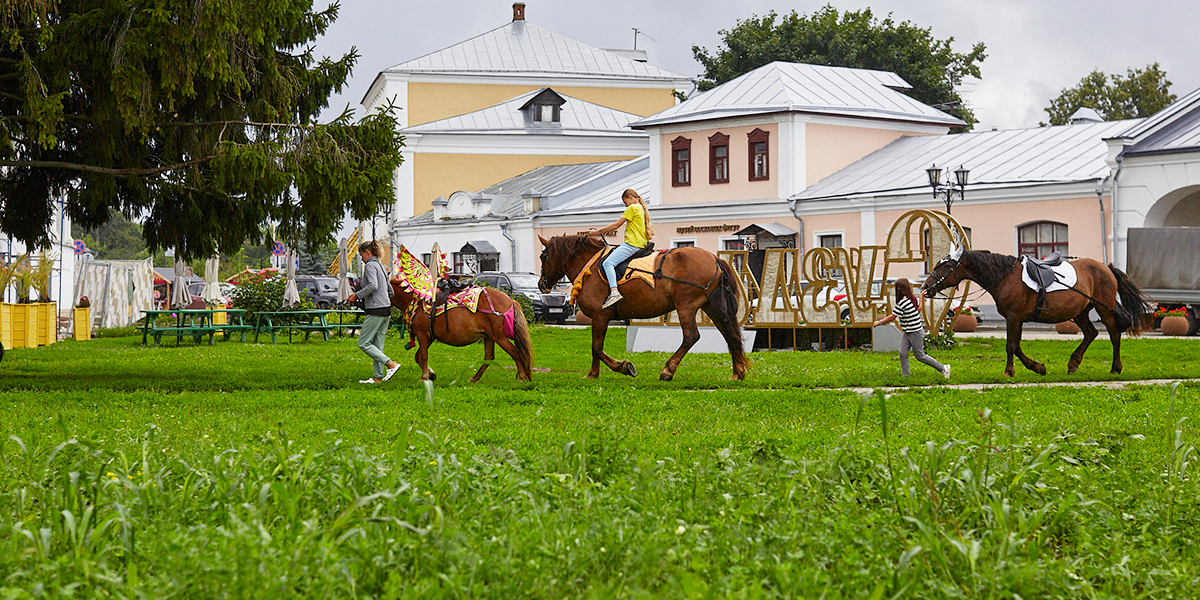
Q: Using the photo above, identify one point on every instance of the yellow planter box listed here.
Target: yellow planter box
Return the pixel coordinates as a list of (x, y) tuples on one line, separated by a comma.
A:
[(21, 327), (47, 323), (81, 324), (6, 327), (220, 318)]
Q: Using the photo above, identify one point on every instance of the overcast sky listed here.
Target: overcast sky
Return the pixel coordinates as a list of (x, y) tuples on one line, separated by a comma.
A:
[(1035, 48)]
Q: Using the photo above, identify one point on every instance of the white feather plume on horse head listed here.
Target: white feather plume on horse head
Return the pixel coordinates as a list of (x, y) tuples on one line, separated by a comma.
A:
[(957, 246)]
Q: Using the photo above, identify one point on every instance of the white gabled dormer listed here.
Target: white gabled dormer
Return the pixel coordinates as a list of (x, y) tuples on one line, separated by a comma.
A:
[(544, 109)]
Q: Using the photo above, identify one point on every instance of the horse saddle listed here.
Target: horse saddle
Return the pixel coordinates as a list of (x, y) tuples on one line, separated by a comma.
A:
[(624, 265), (449, 286), (1047, 275)]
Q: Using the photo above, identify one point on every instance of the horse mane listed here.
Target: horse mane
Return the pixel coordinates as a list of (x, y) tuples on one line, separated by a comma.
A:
[(570, 245), (989, 268)]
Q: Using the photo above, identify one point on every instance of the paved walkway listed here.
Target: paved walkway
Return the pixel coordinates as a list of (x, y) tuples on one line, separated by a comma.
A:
[(1116, 385)]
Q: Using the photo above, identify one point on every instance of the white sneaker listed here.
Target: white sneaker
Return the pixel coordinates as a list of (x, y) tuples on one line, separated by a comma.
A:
[(946, 371), (368, 380), (391, 371), (613, 298)]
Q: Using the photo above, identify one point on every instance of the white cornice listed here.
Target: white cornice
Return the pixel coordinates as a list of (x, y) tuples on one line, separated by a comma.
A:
[(908, 201)]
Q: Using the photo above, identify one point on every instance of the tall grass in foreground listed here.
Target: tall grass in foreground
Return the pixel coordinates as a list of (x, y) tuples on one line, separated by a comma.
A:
[(991, 516)]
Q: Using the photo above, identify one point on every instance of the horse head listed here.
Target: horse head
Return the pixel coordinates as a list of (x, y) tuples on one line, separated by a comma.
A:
[(945, 274), (553, 265)]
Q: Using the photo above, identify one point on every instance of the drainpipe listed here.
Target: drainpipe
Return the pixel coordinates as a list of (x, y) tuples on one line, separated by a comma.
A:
[(1103, 229), (511, 242), (1116, 246), (800, 229)]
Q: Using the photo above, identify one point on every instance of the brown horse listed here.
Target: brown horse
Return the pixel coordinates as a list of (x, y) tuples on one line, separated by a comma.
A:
[(686, 280), (459, 326), (1121, 305)]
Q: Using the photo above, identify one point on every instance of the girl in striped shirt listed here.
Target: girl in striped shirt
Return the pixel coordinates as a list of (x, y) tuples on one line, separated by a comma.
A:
[(907, 309)]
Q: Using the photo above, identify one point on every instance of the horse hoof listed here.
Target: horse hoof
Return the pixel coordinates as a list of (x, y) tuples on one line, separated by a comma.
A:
[(1072, 369), (432, 376), (629, 369), (665, 376), (473, 380), (1009, 374), (1040, 369)]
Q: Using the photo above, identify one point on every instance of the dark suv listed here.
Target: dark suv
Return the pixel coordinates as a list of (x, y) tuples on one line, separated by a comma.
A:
[(322, 291), (551, 308)]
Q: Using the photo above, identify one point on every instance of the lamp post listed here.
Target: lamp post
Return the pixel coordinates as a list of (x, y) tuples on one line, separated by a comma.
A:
[(951, 189)]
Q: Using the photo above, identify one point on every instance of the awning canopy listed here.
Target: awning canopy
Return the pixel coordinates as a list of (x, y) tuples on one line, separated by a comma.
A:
[(772, 229), (478, 247)]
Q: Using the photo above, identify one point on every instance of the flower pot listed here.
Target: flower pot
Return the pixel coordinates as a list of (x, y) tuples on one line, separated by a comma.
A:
[(965, 323), (1066, 327), (220, 318), (1174, 325), (21, 326), (81, 324)]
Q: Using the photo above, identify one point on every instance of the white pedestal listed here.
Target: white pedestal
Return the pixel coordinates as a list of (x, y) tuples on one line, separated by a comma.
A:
[(668, 339)]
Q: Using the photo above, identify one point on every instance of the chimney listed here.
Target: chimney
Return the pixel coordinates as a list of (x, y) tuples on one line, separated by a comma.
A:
[(518, 11)]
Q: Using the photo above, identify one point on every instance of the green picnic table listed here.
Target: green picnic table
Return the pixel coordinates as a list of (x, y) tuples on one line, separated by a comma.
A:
[(308, 321), (194, 323)]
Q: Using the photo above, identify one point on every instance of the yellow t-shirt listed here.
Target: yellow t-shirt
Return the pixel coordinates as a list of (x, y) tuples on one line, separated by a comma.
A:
[(635, 225)]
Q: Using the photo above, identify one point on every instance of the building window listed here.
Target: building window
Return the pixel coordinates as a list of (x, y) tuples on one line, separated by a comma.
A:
[(1041, 239), (688, 243), (457, 257), (718, 158), (681, 162), (426, 258), (546, 113), (831, 240), (759, 155)]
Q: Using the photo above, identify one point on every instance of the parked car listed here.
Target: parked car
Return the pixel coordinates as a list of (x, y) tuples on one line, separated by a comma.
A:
[(322, 291), (550, 307), (196, 289)]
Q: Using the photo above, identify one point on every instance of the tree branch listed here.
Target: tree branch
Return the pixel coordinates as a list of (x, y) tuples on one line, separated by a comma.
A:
[(54, 164)]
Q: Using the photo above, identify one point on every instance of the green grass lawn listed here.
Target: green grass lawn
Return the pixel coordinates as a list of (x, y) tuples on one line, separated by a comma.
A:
[(248, 470)]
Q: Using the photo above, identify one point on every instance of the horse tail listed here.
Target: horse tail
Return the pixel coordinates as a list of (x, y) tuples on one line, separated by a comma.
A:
[(1134, 313), (521, 338), (723, 301)]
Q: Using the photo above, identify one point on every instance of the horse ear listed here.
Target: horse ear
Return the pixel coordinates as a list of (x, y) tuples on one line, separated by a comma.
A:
[(545, 242), (956, 247)]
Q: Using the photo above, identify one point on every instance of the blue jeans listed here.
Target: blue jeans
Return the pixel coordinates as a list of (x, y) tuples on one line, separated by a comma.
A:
[(622, 252)]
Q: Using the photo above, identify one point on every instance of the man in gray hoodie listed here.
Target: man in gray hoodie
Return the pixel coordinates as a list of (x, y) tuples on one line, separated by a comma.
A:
[(376, 293)]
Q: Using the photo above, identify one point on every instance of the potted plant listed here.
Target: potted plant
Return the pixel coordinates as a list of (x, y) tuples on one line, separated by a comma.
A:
[(1066, 327), (47, 332), (964, 319), (1174, 320), (81, 320), (21, 322)]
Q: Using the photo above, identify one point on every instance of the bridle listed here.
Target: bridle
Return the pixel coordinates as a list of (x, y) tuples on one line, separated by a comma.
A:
[(938, 281)]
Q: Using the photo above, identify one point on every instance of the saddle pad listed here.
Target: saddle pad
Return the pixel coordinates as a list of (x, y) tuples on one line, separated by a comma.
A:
[(638, 268), (1064, 275), (414, 276), (468, 299)]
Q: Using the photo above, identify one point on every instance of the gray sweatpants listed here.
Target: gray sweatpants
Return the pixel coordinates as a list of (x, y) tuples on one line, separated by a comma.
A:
[(915, 341), (371, 339)]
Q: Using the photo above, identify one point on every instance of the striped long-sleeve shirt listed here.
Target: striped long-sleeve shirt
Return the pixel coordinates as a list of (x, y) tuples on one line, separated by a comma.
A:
[(910, 319)]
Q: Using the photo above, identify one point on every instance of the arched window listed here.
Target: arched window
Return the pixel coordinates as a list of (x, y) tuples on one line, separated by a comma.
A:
[(1041, 238), (681, 161)]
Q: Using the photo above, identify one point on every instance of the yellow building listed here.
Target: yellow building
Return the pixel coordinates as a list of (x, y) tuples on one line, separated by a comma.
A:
[(484, 76)]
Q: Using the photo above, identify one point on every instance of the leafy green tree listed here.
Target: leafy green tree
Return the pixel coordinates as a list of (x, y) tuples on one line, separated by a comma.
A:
[(118, 239), (1140, 93), (850, 39), (197, 119)]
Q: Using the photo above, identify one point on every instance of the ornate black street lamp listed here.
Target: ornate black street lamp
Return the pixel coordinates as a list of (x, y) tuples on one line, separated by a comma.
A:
[(951, 189)]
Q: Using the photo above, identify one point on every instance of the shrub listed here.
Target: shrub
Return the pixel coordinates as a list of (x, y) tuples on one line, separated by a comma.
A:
[(265, 295)]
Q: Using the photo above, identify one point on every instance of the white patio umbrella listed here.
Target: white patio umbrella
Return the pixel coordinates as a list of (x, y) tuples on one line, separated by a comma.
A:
[(212, 291), (180, 297), (291, 295), (343, 272)]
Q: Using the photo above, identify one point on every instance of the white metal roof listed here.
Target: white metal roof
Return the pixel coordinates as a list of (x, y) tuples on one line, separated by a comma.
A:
[(795, 87), (1007, 158), (576, 116), (519, 47), (1175, 128)]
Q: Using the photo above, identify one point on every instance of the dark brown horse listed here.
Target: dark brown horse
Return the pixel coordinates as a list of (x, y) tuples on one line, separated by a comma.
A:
[(1121, 305), (686, 280), (460, 327)]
